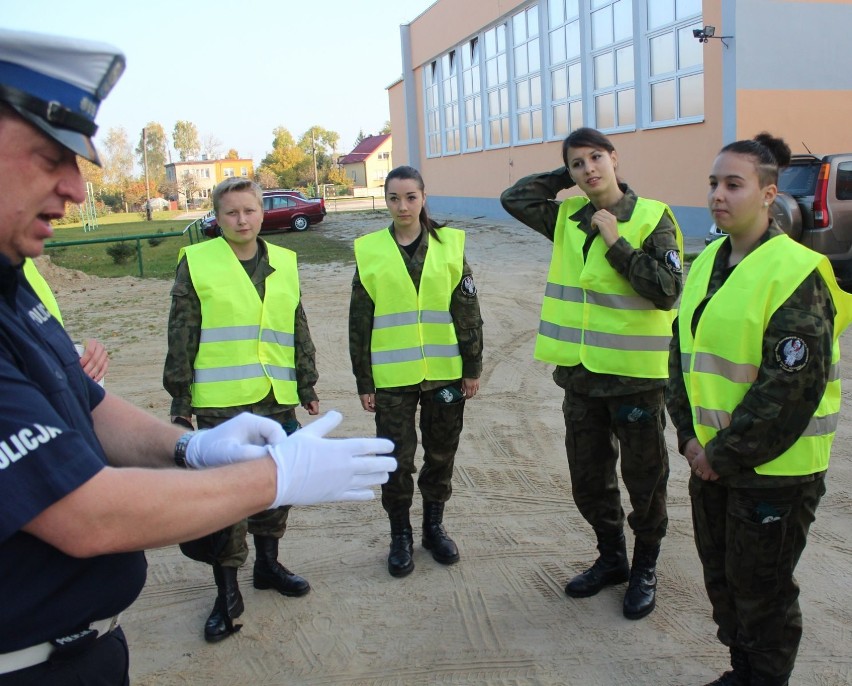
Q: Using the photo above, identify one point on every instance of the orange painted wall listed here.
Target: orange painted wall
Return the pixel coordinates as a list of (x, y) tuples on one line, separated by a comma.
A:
[(399, 130), (820, 120)]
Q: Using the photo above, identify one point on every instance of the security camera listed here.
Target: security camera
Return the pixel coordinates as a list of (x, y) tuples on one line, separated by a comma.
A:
[(698, 33)]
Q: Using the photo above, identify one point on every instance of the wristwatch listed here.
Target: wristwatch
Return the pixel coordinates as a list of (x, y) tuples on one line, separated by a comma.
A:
[(180, 449)]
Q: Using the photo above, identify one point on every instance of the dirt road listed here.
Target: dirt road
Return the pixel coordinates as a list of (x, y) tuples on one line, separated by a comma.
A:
[(500, 616)]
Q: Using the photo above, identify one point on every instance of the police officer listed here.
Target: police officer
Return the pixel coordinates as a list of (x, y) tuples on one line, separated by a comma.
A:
[(755, 397), (84, 480), (415, 337), (614, 278), (239, 282)]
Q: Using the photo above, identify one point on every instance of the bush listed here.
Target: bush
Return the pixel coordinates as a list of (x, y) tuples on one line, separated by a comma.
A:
[(121, 252), (154, 242)]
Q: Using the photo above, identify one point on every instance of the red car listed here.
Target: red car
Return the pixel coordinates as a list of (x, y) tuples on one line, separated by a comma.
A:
[(282, 210)]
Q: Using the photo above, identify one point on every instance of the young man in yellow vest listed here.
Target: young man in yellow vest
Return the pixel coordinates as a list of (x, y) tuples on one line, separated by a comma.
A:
[(239, 342)]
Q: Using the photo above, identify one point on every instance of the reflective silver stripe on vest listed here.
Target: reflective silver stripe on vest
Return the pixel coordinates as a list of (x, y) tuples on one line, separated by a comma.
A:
[(280, 373), (822, 426), (435, 317), (448, 350), (614, 301), (279, 337), (709, 363), (229, 333), (615, 341), (391, 356), (718, 419), (387, 321), (570, 294), (834, 372), (236, 373), (685, 359), (560, 333)]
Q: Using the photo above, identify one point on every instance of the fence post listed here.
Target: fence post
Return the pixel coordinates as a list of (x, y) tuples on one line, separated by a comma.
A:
[(139, 256)]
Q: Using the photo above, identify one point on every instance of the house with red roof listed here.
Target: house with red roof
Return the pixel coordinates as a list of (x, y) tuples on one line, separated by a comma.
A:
[(369, 162)]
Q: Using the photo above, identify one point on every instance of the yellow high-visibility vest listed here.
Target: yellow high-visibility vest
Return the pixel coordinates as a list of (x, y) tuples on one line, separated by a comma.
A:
[(721, 362), (413, 334), (41, 288), (247, 344), (590, 314)]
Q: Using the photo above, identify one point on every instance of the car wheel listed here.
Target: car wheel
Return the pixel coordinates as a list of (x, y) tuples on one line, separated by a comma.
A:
[(300, 223), (787, 215)]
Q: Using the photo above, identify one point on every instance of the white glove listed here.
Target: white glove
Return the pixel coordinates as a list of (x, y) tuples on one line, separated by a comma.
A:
[(313, 469), (244, 437)]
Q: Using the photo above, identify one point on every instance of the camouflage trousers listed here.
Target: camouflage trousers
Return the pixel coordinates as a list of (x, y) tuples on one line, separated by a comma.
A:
[(595, 428), (749, 541), (440, 429), (232, 549)]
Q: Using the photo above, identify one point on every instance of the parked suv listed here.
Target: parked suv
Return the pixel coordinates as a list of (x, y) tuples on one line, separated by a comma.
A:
[(814, 207), (282, 209)]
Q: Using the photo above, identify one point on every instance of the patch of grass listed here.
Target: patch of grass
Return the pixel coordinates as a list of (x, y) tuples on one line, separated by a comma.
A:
[(312, 246)]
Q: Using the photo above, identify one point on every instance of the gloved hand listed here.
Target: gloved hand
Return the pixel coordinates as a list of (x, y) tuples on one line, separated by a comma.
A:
[(313, 469), (244, 437)]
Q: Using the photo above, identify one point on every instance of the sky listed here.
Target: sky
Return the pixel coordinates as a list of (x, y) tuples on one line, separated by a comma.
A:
[(238, 70)]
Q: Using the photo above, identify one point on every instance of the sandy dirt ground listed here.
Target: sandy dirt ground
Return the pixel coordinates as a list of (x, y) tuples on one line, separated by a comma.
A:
[(499, 616)]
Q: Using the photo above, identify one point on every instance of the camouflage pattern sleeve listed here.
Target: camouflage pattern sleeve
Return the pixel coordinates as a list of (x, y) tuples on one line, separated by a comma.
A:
[(464, 309), (306, 368), (361, 309), (793, 374), (531, 200), (677, 401), (655, 271), (184, 333)]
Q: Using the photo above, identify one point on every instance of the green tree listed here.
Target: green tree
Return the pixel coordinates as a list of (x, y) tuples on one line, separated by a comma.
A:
[(117, 158), (185, 140), (386, 128), (232, 155), (322, 144), (285, 159), (266, 178), (361, 136), (155, 137)]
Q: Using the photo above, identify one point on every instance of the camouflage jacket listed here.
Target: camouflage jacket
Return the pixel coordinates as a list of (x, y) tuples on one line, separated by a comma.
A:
[(464, 309), (532, 202), (185, 330), (779, 404)]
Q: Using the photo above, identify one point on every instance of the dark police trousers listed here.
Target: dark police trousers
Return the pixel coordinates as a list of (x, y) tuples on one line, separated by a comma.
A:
[(104, 662), (749, 541), (440, 429), (595, 427)]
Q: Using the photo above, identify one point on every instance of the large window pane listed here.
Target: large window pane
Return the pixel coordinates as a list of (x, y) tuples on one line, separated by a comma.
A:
[(576, 116), (491, 73), (663, 101), (605, 111), (572, 39), (532, 21), (504, 99), (522, 95), (622, 16), (626, 107), (559, 84), (521, 66), (575, 81), (602, 28), (495, 129), (502, 72), (686, 8), (692, 96), (536, 124), (560, 120), (624, 65), (604, 73), (534, 56), (662, 54), (519, 28), (524, 131), (690, 52), (557, 46), (555, 13), (660, 13), (493, 103)]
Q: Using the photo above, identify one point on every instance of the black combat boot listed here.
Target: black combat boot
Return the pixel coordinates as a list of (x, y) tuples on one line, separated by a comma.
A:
[(641, 597), (269, 573), (435, 538), (740, 675), (228, 606), (400, 558), (758, 679), (610, 568)]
